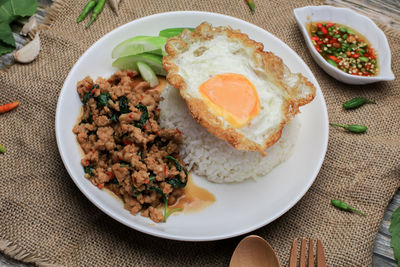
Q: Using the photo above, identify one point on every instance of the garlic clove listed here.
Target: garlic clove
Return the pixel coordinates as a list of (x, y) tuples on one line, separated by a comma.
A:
[(29, 26), (114, 5), (29, 52)]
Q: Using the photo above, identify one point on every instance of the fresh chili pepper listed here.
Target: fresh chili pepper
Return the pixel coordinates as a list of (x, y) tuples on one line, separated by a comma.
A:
[(344, 206), (100, 186), (96, 11), (8, 107), (251, 5), (357, 102), (351, 127), (315, 38), (324, 30), (2, 149), (126, 142), (88, 7)]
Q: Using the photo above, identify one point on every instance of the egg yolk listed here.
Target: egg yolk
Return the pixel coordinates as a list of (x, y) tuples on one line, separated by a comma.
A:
[(231, 96)]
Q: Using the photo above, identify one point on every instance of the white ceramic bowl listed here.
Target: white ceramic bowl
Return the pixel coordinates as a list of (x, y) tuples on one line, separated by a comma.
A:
[(239, 208), (361, 24)]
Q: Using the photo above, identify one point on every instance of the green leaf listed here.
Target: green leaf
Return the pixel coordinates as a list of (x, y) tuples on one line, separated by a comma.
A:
[(394, 230), (102, 99), (9, 11), (6, 35), (13, 9), (5, 49)]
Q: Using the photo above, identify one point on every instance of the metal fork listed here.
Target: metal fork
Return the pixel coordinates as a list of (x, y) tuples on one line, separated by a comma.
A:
[(321, 261)]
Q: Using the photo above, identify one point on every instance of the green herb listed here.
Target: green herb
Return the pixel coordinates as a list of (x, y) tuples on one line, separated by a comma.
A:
[(135, 192), (96, 11), (11, 10), (170, 212), (123, 105), (102, 99), (114, 181), (351, 127), (357, 102), (89, 119), (89, 169), (88, 7), (394, 230), (344, 206), (144, 117), (151, 178), (251, 4), (159, 191), (176, 182), (2, 149), (333, 63), (177, 164), (114, 117), (91, 132)]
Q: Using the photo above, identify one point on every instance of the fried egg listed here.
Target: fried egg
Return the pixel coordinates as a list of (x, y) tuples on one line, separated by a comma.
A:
[(234, 89)]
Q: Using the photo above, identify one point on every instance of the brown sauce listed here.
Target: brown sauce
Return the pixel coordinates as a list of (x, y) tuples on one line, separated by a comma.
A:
[(194, 199)]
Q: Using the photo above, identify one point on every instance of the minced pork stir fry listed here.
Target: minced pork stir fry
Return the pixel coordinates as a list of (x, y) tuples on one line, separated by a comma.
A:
[(125, 148)]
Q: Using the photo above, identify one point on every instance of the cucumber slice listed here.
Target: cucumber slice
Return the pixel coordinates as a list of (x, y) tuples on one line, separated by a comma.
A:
[(171, 32), (147, 73), (130, 62), (140, 44)]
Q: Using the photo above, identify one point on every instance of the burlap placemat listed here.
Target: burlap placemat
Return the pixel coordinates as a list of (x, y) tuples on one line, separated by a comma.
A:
[(45, 219)]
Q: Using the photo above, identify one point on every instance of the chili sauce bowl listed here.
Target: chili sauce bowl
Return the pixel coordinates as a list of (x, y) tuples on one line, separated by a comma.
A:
[(363, 25)]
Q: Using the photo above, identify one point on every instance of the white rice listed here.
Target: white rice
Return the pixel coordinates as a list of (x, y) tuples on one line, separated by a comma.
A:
[(218, 161)]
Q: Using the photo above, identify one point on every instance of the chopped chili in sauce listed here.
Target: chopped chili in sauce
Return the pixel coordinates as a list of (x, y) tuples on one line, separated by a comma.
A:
[(344, 48)]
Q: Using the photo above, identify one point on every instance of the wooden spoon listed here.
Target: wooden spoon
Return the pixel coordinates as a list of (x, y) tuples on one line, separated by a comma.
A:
[(254, 251)]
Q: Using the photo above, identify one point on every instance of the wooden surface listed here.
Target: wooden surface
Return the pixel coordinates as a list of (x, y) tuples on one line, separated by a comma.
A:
[(384, 11)]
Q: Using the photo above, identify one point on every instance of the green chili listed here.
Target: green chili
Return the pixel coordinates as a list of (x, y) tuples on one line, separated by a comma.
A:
[(251, 5), (344, 206), (169, 213), (88, 7), (351, 127), (333, 63), (96, 11), (357, 102), (2, 149)]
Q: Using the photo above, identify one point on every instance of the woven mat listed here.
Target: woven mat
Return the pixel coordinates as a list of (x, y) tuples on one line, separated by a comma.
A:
[(45, 219)]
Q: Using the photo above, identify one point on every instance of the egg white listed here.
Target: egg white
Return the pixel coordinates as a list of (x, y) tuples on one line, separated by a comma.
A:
[(205, 59)]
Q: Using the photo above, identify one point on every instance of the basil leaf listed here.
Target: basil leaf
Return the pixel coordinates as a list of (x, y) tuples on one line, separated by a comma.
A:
[(102, 100), (144, 117), (123, 105), (176, 182)]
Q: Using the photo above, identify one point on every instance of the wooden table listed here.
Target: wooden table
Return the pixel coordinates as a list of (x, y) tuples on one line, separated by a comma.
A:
[(389, 10)]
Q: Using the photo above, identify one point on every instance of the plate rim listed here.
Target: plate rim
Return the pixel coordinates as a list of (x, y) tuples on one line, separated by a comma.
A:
[(174, 236)]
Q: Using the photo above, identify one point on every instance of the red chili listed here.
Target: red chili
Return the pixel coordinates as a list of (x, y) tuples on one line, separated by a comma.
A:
[(100, 186), (130, 74), (324, 30), (319, 25), (110, 174), (165, 170), (126, 142), (329, 24), (355, 55), (348, 53), (130, 116), (315, 38), (318, 48), (319, 42), (333, 57), (179, 132)]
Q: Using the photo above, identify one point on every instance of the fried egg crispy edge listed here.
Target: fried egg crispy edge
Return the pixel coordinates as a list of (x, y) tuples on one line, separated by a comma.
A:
[(303, 92)]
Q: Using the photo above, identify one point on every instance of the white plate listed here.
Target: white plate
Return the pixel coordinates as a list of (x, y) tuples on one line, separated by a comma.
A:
[(239, 208)]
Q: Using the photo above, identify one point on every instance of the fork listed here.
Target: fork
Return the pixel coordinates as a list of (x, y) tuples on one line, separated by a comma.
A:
[(321, 261)]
